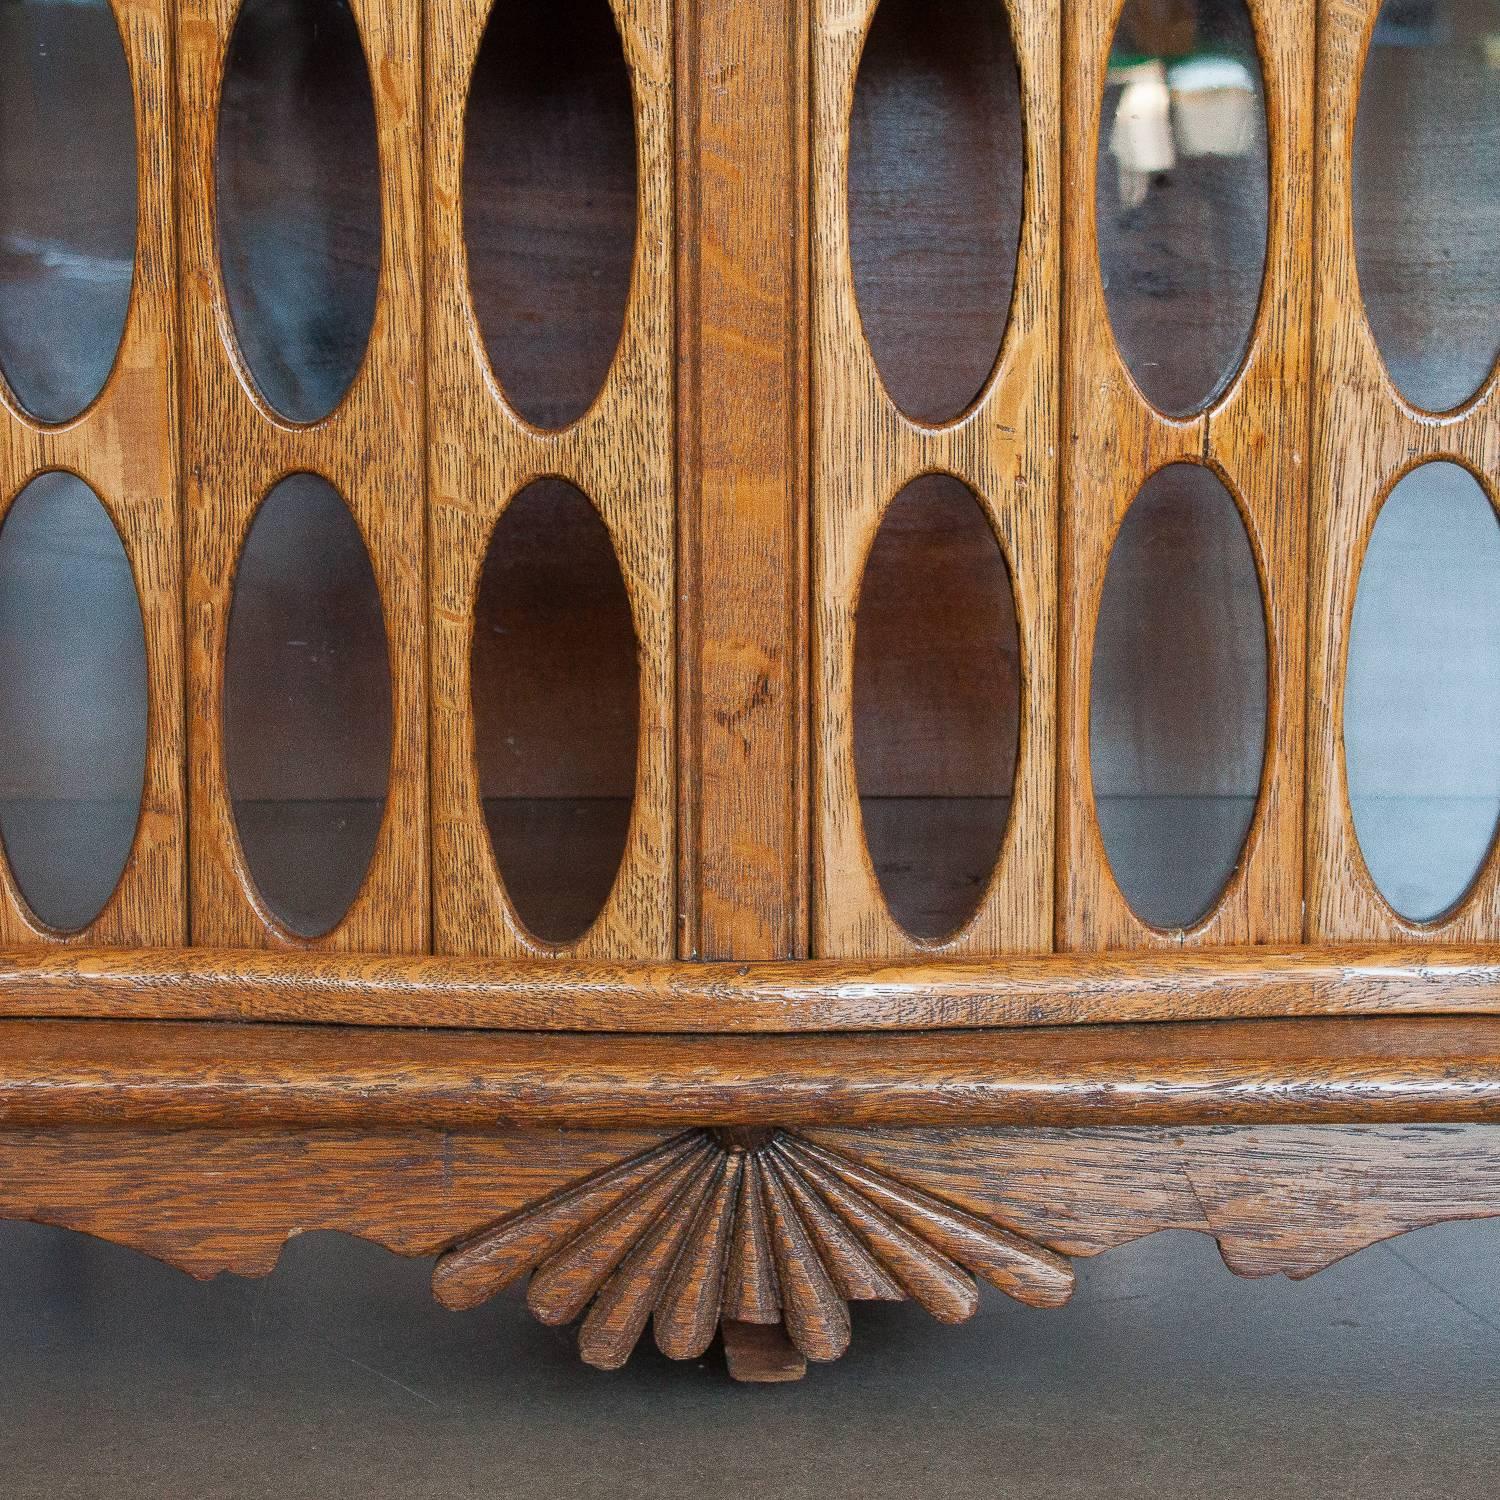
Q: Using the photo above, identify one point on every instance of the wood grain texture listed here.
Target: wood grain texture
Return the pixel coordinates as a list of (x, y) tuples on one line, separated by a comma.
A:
[(369, 449), (814, 995), (124, 446), (1253, 437), (1288, 1200), (171, 1076), (1279, 1200), (481, 453), (865, 451), (742, 443), (209, 1201), (1366, 437)]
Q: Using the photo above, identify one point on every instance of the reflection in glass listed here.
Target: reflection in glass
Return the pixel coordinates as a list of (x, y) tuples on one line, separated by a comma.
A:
[(67, 201), (1422, 695), (72, 700), (935, 197), (556, 708), (937, 704), (1177, 712), (307, 705), (1181, 195), (550, 201), (1427, 195), (299, 200)]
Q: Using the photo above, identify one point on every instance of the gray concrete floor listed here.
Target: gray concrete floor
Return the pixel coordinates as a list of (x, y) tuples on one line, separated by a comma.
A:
[(339, 1377)]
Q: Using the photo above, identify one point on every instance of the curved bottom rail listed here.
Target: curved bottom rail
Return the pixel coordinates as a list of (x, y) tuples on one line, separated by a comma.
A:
[(751, 1185), (196, 984)]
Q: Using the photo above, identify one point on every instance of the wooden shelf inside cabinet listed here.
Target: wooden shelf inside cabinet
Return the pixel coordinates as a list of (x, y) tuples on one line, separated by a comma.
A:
[(739, 656)]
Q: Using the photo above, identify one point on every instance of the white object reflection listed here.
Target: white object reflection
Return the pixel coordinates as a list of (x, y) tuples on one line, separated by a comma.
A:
[(1201, 106)]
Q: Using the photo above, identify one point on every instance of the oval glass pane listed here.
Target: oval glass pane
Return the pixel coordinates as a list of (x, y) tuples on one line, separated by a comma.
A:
[(1422, 695), (1177, 708), (72, 701), (937, 704), (299, 200), (556, 708), (1427, 195), (307, 705), (549, 191), (67, 201), (936, 169), (1181, 193)]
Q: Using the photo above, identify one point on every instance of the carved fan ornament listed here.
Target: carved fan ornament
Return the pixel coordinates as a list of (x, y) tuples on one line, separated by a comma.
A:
[(748, 1229)]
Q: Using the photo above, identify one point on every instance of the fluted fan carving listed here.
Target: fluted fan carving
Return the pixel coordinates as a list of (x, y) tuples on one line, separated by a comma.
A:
[(758, 1228)]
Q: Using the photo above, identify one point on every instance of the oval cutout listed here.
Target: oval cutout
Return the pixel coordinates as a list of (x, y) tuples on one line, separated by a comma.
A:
[(1177, 706), (1181, 196), (549, 189), (73, 701), (556, 686), (1426, 184), (307, 705), (67, 202), (1422, 692), (937, 704), (298, 183), (936, 176)]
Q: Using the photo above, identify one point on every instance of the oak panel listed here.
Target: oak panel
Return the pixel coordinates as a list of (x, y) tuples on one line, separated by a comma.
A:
[(124, 446), (369, 448), (865, 451), (1366, 437), (482, 454), (742, 582), (1252, 436)]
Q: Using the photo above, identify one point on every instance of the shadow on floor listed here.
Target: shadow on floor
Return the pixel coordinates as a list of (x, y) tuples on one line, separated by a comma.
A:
[(339, 1377)]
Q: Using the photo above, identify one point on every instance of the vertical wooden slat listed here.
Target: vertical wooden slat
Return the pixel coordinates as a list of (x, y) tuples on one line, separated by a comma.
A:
[(865, 451), (482, 454), (1366, 437), (125, 447), (369, 448), (1253, 437), (742, 152)]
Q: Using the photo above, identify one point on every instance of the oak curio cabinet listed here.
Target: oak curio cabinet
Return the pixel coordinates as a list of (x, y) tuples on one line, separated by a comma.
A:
[(732, 656)]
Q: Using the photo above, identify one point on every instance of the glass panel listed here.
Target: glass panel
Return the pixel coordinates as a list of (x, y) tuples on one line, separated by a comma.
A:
[(1177, 712), (72, 700), (299, 200), (67, 201), (1181, 195), (550, 201), (1427, 195), (1422, 696), (307, 705), (556, 708), (937, 704), (936, 169)]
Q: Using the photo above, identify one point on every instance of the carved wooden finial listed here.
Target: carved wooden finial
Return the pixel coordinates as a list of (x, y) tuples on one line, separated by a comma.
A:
[(757, 1228)]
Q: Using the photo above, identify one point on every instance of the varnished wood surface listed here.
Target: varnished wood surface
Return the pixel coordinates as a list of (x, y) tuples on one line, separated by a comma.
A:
[(808, 996), (1278, 1199), (124, 446), (1366, 437), (169, 1075), (865, 450), (742, 123), (1253, 437), (481, 453), (369, 448)]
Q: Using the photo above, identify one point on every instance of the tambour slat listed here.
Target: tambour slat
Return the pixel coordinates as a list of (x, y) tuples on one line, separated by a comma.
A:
[(865, 450), (482, 453), (236, 448), (1366, 436), (1252, 435), (124, 446)]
